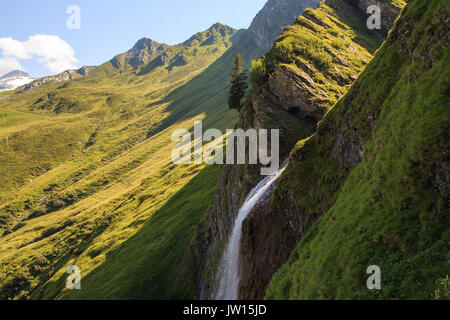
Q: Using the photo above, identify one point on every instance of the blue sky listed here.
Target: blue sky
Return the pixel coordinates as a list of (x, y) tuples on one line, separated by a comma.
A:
[(108, 27)]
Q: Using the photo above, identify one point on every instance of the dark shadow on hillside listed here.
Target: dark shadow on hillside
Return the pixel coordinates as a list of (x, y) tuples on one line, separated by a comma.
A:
[(205, 93), (349, 13), (148, 265)]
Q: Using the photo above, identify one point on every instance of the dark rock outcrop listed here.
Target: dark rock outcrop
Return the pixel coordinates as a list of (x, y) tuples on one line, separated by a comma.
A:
[(263, 235), (388, 9)]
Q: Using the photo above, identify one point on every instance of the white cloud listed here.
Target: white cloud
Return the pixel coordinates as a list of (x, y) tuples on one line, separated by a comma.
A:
[(8, 65), (13, 48), (55, 53)]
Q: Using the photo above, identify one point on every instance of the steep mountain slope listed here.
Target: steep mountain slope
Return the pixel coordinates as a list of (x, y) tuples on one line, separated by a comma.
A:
[(376, 175), (87, 177), (268, 25), (311, 66), (86, 164)]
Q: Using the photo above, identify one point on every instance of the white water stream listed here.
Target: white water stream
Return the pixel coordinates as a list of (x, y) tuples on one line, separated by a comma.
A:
[(228, 286)]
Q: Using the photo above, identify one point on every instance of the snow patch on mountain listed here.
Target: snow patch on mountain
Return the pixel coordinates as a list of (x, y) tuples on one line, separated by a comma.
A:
[(14, 79)]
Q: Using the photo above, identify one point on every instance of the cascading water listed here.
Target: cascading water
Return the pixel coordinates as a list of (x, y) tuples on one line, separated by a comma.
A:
[(228, 288)]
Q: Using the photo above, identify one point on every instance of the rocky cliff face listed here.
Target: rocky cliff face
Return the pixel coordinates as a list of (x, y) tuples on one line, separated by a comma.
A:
[(260, 248), (388, 10), (308, 69), (268, 24), (271, 20)]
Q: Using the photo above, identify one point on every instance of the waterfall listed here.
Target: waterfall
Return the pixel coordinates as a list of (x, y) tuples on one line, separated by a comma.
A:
[(229, 271)]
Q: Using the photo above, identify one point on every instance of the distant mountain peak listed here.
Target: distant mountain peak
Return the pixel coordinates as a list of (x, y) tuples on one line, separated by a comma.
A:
[(14, 79), (210, 35), (15, 73), (144, 51), (220, 26), (146, 44)]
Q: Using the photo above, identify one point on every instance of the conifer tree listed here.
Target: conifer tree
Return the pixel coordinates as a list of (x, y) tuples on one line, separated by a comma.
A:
[(238, 84)]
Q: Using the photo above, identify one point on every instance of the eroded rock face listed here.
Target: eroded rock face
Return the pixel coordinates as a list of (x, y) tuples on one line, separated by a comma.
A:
[(144, 51), (215, 230), (257, 258), (295, 91), (84, 71), (267, 244)]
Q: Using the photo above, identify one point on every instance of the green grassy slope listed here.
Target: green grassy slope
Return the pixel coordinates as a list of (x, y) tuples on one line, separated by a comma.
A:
[(327, 44), (86, 165), (392, 209), (6, 93), (310, 66), (148, 264)]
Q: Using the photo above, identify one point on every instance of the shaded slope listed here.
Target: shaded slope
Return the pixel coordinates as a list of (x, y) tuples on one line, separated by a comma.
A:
[(268, 24), (149, 264)]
